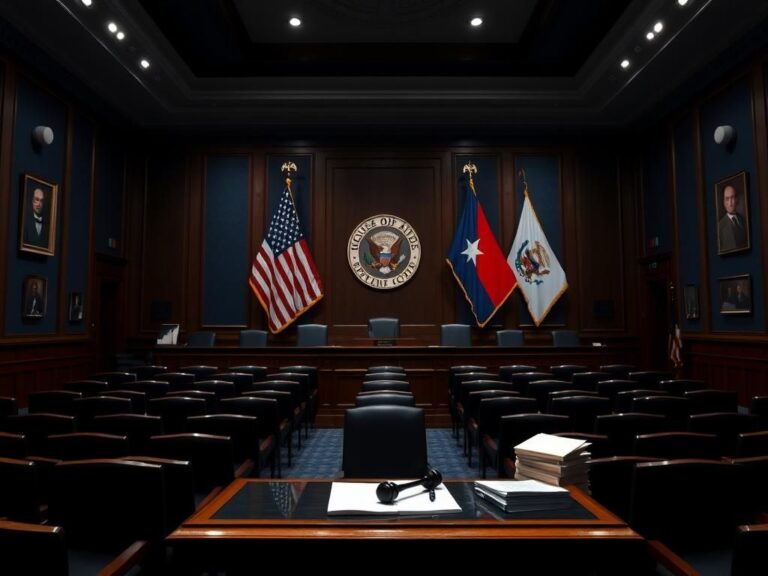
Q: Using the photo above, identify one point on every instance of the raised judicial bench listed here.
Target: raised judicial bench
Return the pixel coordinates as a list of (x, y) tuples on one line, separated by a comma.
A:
[(250, 515), (341, 368)]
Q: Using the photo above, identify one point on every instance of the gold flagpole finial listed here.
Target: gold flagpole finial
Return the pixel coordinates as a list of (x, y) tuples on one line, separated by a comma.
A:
[(525, 180), (289, 169), (470, 169)]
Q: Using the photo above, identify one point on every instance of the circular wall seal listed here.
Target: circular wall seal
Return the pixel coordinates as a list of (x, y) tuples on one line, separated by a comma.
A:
[(384, 252)]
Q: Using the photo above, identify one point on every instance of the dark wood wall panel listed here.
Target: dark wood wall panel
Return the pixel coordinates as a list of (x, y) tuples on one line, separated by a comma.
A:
[(733, 364), (599, 245), (27, 368), (165, 225), (357, 189)]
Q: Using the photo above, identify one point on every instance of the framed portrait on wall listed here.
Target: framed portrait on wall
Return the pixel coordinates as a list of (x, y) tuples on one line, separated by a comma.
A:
[(34, 297), (691, 301), (735, 293), (732, 209), (37, 227)]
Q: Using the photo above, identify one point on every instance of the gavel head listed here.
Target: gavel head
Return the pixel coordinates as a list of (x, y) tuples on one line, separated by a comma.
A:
[(386, 492), (432, 479)]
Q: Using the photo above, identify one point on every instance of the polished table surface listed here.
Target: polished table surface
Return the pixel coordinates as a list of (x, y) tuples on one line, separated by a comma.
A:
[(255, 519), (264, 509)]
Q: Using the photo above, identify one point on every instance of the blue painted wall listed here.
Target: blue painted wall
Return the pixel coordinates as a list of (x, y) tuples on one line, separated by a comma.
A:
[(79, 198), (732, 106), (110, 190), (544, 191), (34, 107), (658, 199), (687, 217), (226, 245)]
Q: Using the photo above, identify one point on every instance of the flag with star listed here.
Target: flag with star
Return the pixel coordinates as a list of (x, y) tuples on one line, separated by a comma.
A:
[(477, 262), (283, 274)]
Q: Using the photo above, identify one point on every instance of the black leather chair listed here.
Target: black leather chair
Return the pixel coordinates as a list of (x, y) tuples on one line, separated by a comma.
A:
[(383, 328), (199, 371), (401, 385), (253, 338), (201, 339), (8, 406), (563, 338), (455, 335), (31, 548), (148, 372), (384, 442), (510, 338), (384, 398), (311, 335)]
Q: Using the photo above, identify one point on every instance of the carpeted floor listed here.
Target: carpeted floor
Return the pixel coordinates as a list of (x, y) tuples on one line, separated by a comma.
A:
[(320, 456)]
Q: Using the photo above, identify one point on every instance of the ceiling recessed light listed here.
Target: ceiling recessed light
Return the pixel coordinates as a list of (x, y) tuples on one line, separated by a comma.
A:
[(682, 2), (650, 36), (87, 3), (625, 63), (658, 27), (476, 22), (144, 63), (120, 35), (112, 27), (295, 22)]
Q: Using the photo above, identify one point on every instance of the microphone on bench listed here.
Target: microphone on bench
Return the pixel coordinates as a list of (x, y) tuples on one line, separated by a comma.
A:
[(387, 492)]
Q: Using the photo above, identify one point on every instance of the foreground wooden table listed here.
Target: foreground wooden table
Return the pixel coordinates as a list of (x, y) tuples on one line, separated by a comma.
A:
[(257, 514)]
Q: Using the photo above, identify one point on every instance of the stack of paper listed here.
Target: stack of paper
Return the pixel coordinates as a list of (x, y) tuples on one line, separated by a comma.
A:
[(554, 460), (522, 496), (351, 498)]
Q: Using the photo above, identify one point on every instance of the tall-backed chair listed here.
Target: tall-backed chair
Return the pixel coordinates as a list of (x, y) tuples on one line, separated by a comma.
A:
[(385, 398), (510, 338), (311, 335), (17, 539), (199, 371), (106, 506), (561, 338), (384, 442), (455, 335), (201, 339), (383, 328), (253, 338), (8, 406)]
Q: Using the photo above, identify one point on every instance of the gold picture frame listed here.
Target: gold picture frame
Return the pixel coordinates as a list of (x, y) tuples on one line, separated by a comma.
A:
[(735, 294), (37, 225), (732, 210)]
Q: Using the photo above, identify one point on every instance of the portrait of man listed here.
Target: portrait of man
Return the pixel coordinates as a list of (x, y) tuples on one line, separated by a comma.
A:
[(732, 214), (735, 295), (38, 216), (34, 297)]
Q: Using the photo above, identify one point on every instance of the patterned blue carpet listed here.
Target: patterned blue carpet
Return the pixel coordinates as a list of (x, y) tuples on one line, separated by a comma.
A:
[(320, 455)]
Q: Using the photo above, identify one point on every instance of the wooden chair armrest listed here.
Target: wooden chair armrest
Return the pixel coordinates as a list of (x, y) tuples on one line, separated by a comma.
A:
[(671, 561), (127, 560), (245, 469)]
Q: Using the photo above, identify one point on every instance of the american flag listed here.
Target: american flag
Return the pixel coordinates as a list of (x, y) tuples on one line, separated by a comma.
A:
[(283, 274)]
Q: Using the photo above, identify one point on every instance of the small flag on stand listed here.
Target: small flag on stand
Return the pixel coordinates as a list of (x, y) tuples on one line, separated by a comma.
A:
[(675, 341)]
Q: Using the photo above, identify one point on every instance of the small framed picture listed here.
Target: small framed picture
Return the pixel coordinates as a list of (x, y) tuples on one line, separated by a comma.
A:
[(691, 300), (732, 209), (735, 293), (34, 297), (37, 229), (75, 306)]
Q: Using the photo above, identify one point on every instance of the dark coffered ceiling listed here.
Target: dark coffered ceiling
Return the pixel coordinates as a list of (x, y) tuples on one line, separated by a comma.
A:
[(390, 63)]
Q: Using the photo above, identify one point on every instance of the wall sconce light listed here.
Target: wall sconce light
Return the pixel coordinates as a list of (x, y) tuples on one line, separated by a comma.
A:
[(725, 135), (42, 135)]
